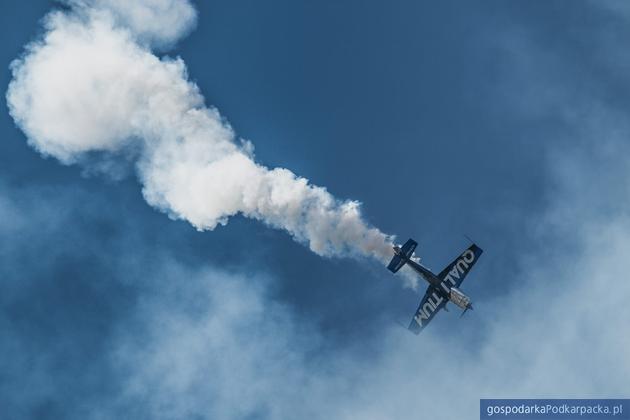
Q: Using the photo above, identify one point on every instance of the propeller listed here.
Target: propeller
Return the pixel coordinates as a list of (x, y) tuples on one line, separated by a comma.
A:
[(467, 308)]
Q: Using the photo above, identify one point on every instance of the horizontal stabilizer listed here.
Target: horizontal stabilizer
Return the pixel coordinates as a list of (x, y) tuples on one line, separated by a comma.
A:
[(409, 247), (396, 264), (398, 261)]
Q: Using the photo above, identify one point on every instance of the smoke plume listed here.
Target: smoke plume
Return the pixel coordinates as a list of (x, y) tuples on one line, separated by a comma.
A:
[(92, 86)]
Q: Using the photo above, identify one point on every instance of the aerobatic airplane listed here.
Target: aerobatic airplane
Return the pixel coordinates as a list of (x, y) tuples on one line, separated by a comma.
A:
[(442, 287)]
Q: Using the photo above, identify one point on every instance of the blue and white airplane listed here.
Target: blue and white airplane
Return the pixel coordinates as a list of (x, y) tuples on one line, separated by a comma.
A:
[(442, 287)]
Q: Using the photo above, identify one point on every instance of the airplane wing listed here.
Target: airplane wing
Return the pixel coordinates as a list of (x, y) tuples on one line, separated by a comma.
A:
[(430, 305), (456, 271)]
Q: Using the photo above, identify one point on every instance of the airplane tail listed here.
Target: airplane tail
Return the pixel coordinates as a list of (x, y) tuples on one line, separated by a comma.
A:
[(401, 256)]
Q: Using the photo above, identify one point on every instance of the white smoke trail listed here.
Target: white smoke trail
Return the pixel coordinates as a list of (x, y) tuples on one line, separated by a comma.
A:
[(91, 84)]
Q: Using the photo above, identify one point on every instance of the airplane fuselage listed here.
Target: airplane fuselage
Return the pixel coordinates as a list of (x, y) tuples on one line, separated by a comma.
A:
[(443, 290), (424, 272)]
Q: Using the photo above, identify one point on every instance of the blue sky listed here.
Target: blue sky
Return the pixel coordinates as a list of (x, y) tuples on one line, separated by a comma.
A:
[(501, 120)]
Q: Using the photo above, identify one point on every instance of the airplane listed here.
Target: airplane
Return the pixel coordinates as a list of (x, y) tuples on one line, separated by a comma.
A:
[(443, 287)]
